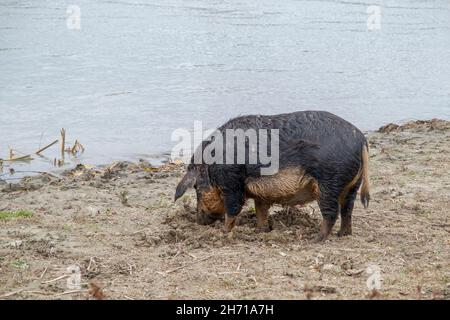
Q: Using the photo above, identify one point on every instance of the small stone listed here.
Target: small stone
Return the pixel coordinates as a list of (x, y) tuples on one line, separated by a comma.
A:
[(16, 244), (93, 210), (329, 267)]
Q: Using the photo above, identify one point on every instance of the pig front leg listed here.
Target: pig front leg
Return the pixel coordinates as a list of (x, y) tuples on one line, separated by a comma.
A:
[(230, 222), (233, 204)]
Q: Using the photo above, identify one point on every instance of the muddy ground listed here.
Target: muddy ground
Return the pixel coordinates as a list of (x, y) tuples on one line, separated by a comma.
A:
[(119, 226)]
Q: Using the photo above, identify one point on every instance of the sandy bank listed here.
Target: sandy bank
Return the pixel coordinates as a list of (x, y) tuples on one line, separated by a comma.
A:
[(120, 227)]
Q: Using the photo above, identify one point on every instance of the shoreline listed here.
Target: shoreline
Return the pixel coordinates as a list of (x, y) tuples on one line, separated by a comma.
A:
[(118, 224), (160, 159), (164, 158)]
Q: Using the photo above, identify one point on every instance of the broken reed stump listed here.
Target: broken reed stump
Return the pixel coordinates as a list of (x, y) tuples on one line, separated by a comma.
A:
[(77, 148), (63, 141)]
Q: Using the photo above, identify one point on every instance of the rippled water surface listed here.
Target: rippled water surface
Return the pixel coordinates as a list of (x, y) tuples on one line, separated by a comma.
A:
[(137, 70)]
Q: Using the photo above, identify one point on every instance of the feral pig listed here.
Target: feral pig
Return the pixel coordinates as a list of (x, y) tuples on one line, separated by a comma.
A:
[(321, 157)]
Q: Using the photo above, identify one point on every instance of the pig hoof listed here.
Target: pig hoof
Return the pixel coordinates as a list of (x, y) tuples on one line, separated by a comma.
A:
[(230, 222), (320, 238), (342, 233), (263, 229)]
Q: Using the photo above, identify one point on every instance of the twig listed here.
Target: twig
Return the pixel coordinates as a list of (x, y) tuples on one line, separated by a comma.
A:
[(11, 293), (46, 147), (354, 272), (229, 272), (90, 262), (139, 231), (68, 292), (191, 255), (43, 273), (56, 279), (187, 265), (24, 158), (38, 292)]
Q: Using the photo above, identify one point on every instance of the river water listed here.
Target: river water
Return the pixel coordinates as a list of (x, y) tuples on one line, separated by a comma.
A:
[(122, 75)]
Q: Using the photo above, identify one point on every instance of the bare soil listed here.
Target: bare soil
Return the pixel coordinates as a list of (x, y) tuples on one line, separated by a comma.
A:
[(120, 227)]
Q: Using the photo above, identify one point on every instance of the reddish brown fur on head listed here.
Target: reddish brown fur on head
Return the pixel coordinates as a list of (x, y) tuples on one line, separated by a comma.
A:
[(209, 199)]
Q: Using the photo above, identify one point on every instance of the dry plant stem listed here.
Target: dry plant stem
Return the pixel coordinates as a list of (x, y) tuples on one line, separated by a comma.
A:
[(63, 141), (24, 158), (11, 293), (46, 147), (188, 265), (56, 279)]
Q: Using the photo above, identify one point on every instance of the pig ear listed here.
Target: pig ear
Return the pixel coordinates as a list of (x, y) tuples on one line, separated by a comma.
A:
[(188, 181)]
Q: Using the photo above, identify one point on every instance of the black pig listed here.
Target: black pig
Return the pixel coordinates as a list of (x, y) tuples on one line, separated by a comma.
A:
[(321, 157)]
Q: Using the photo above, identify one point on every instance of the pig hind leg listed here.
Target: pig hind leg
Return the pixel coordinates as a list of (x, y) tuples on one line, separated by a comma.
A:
[(346, 212), (329, 207)]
